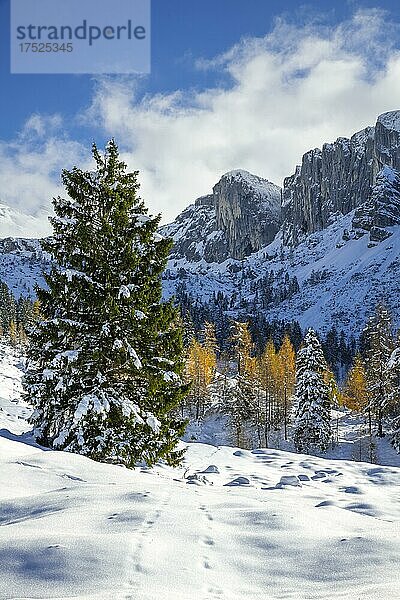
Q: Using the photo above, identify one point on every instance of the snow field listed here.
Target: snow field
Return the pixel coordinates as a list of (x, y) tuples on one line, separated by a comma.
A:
[(228, 524)]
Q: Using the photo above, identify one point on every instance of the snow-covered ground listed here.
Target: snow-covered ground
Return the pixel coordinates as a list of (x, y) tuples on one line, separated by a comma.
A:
[(229, 524), (350, 433)]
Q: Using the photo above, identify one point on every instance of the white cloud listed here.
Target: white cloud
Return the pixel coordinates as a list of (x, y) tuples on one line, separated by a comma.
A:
[(290, 91), (30, 168)]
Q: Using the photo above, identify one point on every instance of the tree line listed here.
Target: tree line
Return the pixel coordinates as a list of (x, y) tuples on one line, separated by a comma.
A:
[(282, 389), (17, 316)]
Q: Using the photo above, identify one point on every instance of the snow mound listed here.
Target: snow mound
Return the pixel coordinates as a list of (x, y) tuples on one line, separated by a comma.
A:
[(238, 481), (292, 480), (211, 469)]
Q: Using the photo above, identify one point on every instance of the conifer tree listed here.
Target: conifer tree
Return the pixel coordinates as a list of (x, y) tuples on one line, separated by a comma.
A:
[(355, 394), (8, 308), (243, 346), (244, 405), (222, 385), (378, 333), (287, 362), (396, 434), (393, 368), (105, 359), (312, 427)]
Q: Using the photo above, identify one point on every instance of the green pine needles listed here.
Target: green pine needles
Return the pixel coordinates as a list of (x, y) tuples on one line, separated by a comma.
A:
[(105, 360), (312, 425)]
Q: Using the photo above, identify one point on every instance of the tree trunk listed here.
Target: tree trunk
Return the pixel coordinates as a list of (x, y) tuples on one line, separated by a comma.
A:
[(285, 414)]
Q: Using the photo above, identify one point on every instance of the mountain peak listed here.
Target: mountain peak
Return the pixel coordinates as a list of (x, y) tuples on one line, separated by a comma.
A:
[(238, 218), (255, 183), (390, 120)]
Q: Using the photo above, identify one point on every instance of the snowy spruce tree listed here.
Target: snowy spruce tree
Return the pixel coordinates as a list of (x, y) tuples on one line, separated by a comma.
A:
[(312, 423), (380, 344), (393, 368), (105, 361)]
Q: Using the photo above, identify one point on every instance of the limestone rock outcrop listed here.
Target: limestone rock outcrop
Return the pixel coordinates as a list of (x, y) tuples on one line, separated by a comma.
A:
[(338, 178), (241, 216)]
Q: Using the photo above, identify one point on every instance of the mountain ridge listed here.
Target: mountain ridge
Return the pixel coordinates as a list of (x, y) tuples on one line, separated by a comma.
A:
[(344, 257), (238, 218), (239, 242)]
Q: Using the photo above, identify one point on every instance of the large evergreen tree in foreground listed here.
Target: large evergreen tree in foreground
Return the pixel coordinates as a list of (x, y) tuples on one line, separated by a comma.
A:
[(312, 428), (105, 363)]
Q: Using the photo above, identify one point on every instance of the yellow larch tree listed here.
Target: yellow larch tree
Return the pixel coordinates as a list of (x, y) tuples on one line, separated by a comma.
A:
[(13, 333), (269, 374), (36, 310), (355, 393), (201, 366), (287, 375), (357, 396), (22, 337)]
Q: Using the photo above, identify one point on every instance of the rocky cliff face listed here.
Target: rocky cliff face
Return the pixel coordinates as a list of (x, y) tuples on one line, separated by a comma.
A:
[(195, 233), (339, 178), (382, 210), (240, 217), (338, 238), (247, 211)]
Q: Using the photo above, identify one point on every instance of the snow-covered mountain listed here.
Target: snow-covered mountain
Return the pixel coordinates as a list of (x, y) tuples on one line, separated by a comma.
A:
[(238, 218), (340, 280), (21, 260), (13, 223), (22, 263), (324, 249), (229, 523), (338, 239)]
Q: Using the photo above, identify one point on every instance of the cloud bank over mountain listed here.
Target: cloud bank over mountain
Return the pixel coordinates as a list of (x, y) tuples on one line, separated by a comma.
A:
[(290, 91)]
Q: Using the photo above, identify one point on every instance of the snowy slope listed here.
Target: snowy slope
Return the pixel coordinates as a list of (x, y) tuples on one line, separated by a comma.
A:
[(352, 275), (16, 224), (340, 280), (21, 265), (228, 524)]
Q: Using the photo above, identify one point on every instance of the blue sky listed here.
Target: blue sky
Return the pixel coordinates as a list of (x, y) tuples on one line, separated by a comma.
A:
[(214, 113), (182, 31)]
